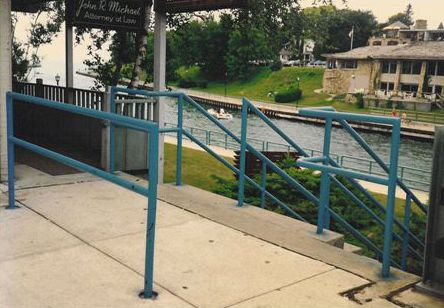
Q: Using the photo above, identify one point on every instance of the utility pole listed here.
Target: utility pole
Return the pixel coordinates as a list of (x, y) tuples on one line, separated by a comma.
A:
[(69, 56)]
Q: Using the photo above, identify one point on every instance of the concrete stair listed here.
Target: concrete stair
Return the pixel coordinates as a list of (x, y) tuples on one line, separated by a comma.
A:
[(224, 210)]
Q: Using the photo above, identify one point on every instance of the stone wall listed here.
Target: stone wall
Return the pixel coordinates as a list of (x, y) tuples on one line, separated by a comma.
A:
[(340, 81)]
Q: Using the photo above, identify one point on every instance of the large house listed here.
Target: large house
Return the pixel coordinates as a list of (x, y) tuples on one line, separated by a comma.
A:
[(406, 65)]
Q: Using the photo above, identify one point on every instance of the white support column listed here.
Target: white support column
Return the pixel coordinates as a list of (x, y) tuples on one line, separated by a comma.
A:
[(160, 80), (5, 79)]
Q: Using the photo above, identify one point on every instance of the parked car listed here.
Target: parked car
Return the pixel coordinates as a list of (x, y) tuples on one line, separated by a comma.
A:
[(318, 63), (294, 63)]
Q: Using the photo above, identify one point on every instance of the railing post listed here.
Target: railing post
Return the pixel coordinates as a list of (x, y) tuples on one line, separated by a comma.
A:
[(263, 183), (11, 158), (105, 157), (112, 137), (391, 196), (324, 200), (179, 142), (152, 205), (39, 88), (243, 150), (226, 141), (405, 238)]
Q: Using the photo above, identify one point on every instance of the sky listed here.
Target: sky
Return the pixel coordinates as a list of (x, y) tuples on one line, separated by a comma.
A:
[(432, 10)]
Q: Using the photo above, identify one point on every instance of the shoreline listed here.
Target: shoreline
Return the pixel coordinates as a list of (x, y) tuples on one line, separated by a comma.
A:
[(415, 130)]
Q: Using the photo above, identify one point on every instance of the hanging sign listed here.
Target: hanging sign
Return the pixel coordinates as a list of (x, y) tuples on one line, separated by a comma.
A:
[(126, 15), (182, 6)]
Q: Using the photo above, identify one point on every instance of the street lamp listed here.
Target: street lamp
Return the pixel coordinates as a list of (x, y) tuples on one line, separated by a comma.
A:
[(57, 79), (226, 82), (297, 100)]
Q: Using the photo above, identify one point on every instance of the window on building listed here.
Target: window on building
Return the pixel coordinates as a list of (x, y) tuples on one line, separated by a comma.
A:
[(331, 64), (387, 86), (431, 68), (350, 64), (440, 69), (389, 67), (392, 43), (435, 68), (409, 87), (377, 43), (434, 89), (411, 67)]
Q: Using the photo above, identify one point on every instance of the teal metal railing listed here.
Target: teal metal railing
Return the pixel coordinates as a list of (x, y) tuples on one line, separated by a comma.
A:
[(151, 192), (411, 244), (414, 178)]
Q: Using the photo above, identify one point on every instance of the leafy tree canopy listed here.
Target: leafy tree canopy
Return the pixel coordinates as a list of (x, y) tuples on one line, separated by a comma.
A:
[(405, 17)]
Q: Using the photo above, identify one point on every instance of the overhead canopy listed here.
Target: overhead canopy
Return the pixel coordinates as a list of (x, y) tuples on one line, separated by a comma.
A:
[(27, 6), (181, 6)]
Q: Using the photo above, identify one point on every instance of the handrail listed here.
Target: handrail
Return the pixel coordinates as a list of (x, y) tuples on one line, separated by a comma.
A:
[(341, 159), (391, 180), (266, 163), (337, 182), (150, 192), (381, 163)]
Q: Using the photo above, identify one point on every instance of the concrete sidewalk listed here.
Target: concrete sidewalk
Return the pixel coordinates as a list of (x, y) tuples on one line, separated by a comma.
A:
[(81, 244)]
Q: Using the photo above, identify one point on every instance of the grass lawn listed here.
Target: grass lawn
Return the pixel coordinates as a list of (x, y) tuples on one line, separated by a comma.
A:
[(266, 81), (200, 167)]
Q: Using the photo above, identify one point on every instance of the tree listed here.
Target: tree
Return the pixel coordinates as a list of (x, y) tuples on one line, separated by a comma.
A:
[(441, 26), (405, 17), (141, 46), (44, 27), (330, 28), (244, 48)]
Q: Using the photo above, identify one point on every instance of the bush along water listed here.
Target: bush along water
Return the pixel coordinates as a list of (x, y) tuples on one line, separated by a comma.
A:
[(190, 77), (339, 203), (287, 96)]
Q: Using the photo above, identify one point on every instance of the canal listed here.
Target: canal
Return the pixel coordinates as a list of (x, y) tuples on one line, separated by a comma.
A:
[(415, 155)]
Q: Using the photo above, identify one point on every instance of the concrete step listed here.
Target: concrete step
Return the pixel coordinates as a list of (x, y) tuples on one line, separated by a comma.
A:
[(220, 208), (353, 249)]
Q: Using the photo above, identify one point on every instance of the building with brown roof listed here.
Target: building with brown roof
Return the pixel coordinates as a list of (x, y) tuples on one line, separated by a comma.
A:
[(411, 73)]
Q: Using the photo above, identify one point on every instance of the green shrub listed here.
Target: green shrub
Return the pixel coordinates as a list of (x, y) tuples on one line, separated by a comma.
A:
[(276, 65), (389, 104), (340, 203), (186, 84), (400, 105), (288, 96), (360, 100), (189, 77)]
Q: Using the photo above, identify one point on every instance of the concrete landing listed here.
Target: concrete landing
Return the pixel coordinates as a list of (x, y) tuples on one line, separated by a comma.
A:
[(82, 245)]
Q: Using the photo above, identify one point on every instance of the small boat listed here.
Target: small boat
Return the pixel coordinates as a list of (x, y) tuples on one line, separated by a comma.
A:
[(221, 114)]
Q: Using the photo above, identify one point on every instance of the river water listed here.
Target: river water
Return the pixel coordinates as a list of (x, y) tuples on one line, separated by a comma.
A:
[(413, 154)]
